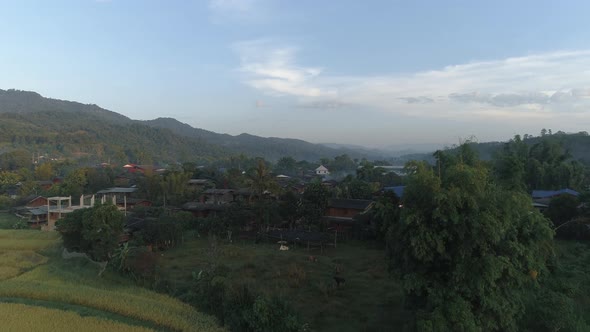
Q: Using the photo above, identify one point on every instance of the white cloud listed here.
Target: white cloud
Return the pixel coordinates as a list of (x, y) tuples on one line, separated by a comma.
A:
[(272, 69), (534, 86)]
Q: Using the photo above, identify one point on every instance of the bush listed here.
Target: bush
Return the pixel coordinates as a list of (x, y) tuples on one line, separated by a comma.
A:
[(20, 224), (552, 311), (238, 307), (5, 202)]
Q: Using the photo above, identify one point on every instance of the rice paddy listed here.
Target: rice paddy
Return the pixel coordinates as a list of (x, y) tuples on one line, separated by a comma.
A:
[(20, 317), (31, 272)]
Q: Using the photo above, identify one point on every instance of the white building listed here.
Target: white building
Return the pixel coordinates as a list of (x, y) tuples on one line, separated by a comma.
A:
[(322, 170)]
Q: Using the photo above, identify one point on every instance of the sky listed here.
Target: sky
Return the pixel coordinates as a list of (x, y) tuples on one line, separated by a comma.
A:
[(373, 73)]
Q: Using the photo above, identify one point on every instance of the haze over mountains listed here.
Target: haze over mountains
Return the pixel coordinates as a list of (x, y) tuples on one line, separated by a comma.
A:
[(32, 122)]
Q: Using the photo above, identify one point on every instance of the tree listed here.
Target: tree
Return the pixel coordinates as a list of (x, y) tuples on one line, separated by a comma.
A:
[(464, 247), (385, 213), (356, 189), (314, 202), (286, 165), (44, 171), (9, 178), (75, 183), (289, 207), (261, 180), (94, 230), (15, 160), (568, 219)]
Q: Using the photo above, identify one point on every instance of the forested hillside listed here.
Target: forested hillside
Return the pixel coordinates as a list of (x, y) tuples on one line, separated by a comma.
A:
[(270, 147), (30, 123)]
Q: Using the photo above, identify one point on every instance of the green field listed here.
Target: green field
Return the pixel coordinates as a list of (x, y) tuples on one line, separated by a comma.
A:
[(33, 274), (369, 301), (20, 317), (7, 220)]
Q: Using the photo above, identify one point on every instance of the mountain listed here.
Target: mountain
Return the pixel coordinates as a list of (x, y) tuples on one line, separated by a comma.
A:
[(32, 123), (271, 148), (27, 102)]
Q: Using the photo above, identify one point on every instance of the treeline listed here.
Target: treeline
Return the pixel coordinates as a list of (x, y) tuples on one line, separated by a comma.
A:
[(469, 248)]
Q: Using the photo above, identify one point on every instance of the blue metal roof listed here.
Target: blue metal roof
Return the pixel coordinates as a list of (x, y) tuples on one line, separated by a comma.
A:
[(552, 193), (398, 190)]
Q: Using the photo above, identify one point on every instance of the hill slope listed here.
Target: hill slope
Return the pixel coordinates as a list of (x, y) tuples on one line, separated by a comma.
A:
[(33, 123), (270, 147)]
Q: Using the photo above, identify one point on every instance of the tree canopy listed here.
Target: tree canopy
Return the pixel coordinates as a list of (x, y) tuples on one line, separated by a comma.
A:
[(464, 247)]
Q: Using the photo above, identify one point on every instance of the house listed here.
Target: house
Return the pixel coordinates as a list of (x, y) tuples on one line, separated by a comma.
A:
[(199, 184), (56, 208), (545, 196), (321, 170), (126, 204), (340, 214), (132, 168), (347, 208), (36, 202), (122, 198), (45, 184), (199, 209), (218, 196)]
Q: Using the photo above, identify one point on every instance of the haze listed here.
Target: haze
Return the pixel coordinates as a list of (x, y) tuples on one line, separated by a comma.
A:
[(373, 73)]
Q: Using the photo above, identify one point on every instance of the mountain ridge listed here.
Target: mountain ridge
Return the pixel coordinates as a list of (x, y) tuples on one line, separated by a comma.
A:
[(32, 122)]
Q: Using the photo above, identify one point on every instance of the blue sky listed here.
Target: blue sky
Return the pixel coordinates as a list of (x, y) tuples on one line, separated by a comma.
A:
[(375, 73)]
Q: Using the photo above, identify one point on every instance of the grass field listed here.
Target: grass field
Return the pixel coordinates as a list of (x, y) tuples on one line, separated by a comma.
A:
[(33, 274), (20, 250), (20, 317), (7, 220), (369, 301)]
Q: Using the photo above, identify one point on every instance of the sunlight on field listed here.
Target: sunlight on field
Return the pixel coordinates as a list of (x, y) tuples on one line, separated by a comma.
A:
[(18, 250), (46, 283), (20, 317), (14, 262)]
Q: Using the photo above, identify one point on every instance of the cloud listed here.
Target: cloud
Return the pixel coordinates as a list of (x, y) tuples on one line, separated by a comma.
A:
[(417, 100), (272, 69), (325, 104), (533, 86)]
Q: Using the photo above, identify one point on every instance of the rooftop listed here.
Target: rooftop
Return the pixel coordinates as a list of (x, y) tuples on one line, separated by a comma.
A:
[(553, 193), (357, 204), (117, 190)]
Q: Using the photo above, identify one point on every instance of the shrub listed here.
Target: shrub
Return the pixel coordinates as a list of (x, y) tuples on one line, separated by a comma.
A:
[(238, 307), (552, 311), (20, 224)]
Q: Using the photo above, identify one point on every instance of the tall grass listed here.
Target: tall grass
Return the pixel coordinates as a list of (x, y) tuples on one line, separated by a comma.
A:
[(27, 274), (15, 262), (11, 239), (20, 317), (7, 220), (371, 300), (47, 283)]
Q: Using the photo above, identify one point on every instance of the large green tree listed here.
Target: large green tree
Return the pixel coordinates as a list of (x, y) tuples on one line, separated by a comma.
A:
[(94, 230), (544, 165), (464, 247)]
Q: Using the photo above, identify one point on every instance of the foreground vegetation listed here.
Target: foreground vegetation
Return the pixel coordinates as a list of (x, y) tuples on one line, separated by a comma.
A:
[(20, 317), (368, 301), (52, 282)]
